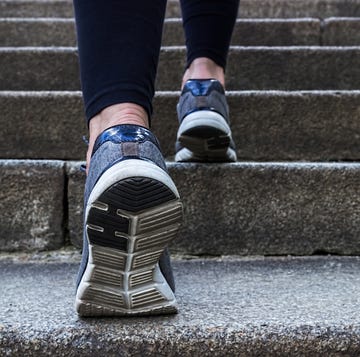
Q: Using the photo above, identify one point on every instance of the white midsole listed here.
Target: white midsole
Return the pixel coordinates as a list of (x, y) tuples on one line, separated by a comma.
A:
[(185, 154), (126, 169), (204, 118)]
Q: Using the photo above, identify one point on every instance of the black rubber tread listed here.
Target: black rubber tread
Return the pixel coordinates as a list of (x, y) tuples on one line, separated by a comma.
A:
[(111, 222), (203, 139), (137, 194), (203, 131), (107, 240), (132, 195)]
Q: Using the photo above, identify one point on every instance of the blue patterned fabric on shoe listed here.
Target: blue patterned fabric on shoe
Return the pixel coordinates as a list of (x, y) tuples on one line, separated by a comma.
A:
[(132, 210), (204, 131)]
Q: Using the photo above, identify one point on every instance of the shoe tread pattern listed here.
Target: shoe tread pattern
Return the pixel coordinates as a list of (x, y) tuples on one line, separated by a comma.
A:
[(128, 227), (206, 144)]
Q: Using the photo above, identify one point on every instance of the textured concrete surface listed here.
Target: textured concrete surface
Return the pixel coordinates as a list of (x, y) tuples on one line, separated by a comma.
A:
[(31, 205), (275, 68), (266, 126), (249, 68), (258, 32), (247, 32), (257, 208), (52, 125), (37, 32), (36, 8), (229, 307), (248, 8), (39, 68), (341, 32), (277, 32), (299, 8), (271, 125)]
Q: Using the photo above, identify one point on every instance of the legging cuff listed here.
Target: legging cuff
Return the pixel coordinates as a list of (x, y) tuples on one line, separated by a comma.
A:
[(118, 95)]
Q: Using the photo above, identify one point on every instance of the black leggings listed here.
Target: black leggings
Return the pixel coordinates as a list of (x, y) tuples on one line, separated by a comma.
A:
[(119, 44)]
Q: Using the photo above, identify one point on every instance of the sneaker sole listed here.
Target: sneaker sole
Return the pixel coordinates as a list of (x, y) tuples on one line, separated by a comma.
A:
[(205, 136), (130, 219)]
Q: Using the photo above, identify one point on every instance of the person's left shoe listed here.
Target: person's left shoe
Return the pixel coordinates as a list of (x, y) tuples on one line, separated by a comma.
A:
[(204, 133), (132, 211)]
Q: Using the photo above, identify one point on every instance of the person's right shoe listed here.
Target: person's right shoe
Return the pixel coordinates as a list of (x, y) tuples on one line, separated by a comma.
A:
[(204, 133), (132, 211)]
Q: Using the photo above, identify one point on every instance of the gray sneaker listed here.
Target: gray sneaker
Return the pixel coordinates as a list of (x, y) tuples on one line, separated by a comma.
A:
[(204, 133), (132, 211)]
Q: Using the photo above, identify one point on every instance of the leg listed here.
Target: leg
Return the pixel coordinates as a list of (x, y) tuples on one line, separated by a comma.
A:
[(119, 46), (204, 133), (208, 26), (131, 206)]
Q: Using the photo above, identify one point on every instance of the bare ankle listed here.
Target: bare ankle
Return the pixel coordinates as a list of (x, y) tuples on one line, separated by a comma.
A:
[(204, 68), (124, 113)]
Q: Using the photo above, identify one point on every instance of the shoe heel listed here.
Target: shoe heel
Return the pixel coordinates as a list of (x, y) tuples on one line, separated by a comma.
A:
[(128, 227)]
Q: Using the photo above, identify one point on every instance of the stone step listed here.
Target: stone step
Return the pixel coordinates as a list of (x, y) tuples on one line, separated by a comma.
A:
[(257, 32), (249, 68), (245, 208), (248, 8), (341, 32), (266, 125), (247, 32), (228, 307)]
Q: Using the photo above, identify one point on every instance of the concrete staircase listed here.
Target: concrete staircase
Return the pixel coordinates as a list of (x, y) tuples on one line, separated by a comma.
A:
[(294, 95)]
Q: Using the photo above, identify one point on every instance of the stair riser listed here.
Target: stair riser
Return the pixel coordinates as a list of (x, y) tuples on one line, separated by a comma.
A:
[(266, 126), (32, 205), (341, 32), (244, 208), (259, 68), (248, 8), (61, 32), (291, 32), (255, 209)]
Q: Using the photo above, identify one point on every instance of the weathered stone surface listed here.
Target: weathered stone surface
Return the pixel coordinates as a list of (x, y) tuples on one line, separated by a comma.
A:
[(61, 32), (266, 126), (341, 32), (32, 205), (249, 68), (299, 8), (39, 68), (257, 208), (296, 125), (42, 125), (57, 8), (258, 32), (277, 32), (37, 32), (248, 8), (275, 68), (36, 8), (229, 307), (271, 125), (75, 190)]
